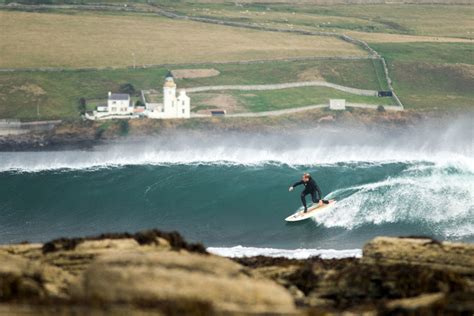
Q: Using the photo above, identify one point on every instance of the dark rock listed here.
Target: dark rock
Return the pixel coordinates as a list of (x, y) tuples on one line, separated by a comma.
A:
[(146, 237)]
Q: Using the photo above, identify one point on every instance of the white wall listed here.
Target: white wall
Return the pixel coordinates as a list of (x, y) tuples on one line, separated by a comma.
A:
[(120, 106), (173, 107), (183, 105), (169, 100)]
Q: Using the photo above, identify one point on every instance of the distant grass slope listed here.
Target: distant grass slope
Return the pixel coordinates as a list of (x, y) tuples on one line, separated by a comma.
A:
[(416, 19), (363, 74), (426, 76), (57, 93), (94, 39), (431, 76)]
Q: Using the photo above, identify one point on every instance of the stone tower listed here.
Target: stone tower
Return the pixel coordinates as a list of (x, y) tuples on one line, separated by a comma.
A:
[(169, 94)]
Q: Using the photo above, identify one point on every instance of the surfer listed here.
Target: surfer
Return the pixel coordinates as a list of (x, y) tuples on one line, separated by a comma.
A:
[(310, 187)]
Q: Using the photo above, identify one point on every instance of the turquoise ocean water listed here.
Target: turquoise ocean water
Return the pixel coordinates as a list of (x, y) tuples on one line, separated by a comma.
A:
[(231, 191)]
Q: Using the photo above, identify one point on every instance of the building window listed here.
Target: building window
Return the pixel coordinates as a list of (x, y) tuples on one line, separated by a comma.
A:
[(113, 102), (182, 110), (182, 102), (114, 109)]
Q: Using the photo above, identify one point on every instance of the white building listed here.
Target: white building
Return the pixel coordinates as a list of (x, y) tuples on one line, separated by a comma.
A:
[(119, 105), (173, 106), (337, 104)]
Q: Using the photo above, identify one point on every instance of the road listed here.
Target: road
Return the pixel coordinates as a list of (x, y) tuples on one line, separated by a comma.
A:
[(302, 109)]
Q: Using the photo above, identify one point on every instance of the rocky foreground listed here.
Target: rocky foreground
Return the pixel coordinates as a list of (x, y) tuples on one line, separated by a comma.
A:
[(153, 273)]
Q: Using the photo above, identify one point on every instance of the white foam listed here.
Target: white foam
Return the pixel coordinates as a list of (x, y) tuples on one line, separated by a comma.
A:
[(428, 196), (240, 251), (224, 155), (452, 146)]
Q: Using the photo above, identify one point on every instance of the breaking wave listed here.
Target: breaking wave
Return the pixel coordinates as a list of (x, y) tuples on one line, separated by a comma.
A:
[(239, 252), (439, 198), (232, 188)]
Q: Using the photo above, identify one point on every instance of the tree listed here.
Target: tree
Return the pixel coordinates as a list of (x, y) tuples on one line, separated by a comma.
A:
[(139, 103), (127, 88), (82, 106)]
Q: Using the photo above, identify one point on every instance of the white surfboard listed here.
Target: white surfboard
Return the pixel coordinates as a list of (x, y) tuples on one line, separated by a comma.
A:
[(301, 215)]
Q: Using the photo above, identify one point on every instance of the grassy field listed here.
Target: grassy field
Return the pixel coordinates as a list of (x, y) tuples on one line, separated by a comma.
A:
[(435, 74), (427, 52), (353, 73), (425, 20), (429, 76), (80, 39), (258, 101), (57, 93), (429, 48)]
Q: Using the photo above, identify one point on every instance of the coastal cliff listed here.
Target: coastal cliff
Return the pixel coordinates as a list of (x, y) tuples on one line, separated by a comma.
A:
[(153, 272), (86, 134)]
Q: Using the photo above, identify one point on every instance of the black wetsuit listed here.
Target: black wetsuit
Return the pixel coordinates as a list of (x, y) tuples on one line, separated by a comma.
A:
[(310, 187)]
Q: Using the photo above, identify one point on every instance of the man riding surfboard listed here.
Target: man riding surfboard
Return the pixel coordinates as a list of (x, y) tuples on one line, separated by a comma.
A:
[(310, 187)]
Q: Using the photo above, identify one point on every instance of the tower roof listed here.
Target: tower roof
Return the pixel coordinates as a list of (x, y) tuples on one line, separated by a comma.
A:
[(169, 75)]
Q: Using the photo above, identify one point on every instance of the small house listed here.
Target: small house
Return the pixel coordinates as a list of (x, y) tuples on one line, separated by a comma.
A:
[(119, 103)]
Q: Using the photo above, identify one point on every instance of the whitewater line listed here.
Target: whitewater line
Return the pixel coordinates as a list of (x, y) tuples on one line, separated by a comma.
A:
[(300, 253)]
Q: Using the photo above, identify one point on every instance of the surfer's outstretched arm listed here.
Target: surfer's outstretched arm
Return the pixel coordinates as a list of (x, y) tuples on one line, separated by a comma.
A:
[(298, 183), (294, 185)]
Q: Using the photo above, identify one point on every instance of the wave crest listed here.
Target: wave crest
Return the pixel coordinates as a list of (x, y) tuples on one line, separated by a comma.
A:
[(239, 252), (442, 199)]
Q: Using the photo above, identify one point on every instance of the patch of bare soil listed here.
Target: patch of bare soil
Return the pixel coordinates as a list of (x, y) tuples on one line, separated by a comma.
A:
[(29, 88), (464, 70), (194, 73), (310, 74)]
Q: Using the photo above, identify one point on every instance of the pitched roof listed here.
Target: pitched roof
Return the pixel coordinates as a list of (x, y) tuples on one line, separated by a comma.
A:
[(119, 96)]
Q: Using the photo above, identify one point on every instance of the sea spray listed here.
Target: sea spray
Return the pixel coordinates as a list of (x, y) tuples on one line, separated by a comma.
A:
[(452, 146)]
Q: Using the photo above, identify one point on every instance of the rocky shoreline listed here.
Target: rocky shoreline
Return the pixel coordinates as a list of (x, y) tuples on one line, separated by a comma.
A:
[(87, 134), (158, 273)]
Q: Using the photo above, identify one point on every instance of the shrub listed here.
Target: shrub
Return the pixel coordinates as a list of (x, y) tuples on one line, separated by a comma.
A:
[(123, 127), (82, 106), (127, 88)]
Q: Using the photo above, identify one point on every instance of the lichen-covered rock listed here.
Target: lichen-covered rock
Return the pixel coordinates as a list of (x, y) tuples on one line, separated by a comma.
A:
[(144, 279), (23, 279), (420, 251), (159, 273)]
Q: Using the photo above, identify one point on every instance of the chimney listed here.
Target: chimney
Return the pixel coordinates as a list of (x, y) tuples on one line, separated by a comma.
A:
[(110, 93)]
